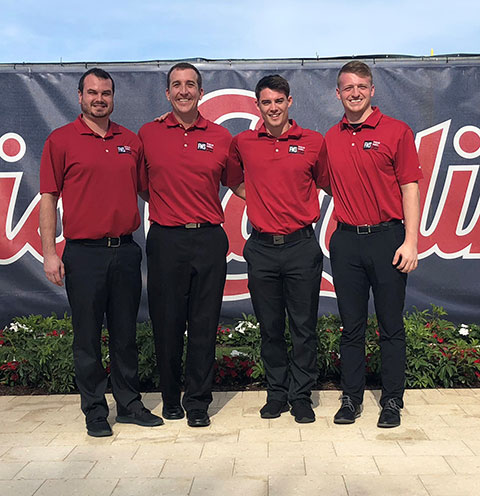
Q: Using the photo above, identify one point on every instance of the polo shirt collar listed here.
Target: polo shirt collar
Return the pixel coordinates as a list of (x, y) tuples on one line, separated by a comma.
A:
[(81, 126), (200, 123), (372, 120), (295, 131)]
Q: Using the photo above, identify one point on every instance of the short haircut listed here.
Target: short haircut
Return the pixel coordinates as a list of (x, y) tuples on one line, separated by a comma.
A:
[(99, 73), (182, 66), (273, 82), (356, 67)]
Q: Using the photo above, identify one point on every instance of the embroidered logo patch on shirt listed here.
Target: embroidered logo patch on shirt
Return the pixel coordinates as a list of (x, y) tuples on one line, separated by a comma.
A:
[(124, 149), (205, 147), (296, 149), (368, 145)]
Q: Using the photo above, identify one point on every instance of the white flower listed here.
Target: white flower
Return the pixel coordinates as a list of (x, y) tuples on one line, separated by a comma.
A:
[(236, 353), (464, 330)]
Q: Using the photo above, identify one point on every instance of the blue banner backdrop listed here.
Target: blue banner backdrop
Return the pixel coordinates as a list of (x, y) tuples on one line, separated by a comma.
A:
[(437, 97)]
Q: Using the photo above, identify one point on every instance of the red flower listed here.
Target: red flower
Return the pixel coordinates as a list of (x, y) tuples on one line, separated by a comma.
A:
[(249, 372), (476, 361), (14, 377), (440, 340), (428, 325), (477, 373), (2, 342)]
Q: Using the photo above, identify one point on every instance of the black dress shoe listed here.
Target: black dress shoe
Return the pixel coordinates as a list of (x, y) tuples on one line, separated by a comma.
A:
[(390, 415), (143, 417), (198, 418), (273, 409), (348, 412), (302, 411), (172, 412), (99, 428)]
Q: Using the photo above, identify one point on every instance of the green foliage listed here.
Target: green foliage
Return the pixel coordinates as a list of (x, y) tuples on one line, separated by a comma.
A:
[(36, 351)]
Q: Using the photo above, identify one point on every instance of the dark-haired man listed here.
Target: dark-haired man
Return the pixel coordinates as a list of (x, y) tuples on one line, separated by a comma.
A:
[(374, 169), (185, 157), (94, 165), (278, 169)]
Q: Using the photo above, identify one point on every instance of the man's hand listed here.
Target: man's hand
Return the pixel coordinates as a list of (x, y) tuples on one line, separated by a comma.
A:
[(162, 117), (54, 269), (406, 257)]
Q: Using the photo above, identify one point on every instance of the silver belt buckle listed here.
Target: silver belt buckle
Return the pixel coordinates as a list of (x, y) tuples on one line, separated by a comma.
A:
[(278, 239), (192, 225), (111, 244), (364, 229)]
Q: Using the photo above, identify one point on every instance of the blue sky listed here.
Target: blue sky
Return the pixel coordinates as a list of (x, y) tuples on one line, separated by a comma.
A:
[(54, 31)]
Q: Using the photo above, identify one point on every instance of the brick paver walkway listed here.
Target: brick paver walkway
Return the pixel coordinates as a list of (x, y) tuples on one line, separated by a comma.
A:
[(44, 450)]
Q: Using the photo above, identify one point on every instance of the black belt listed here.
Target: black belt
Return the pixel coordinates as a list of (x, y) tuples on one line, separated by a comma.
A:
[(368, 229), (109, 242), (190, 225), (281, 239)]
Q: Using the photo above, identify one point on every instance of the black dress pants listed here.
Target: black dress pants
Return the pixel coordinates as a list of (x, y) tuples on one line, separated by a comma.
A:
[(285, 279), (360, 262), (104, 281), (186, 277)]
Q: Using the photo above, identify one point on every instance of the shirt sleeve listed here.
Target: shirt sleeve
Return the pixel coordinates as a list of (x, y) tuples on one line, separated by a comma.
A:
[(233, 173), (407, 165), (320, 169), (52, 168), (142, 175)]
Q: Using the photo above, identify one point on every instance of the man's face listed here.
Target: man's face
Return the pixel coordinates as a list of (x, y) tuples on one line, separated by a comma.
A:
[(183, 92), (355, 92), (96, 100), (273, 106)]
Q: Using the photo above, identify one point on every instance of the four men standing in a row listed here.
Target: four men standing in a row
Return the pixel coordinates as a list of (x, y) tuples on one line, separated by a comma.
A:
[(368, 161)]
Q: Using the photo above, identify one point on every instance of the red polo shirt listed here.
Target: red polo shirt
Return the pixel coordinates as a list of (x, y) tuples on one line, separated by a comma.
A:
[(184, 169), (367, 165), (98, 179), (280, 175)]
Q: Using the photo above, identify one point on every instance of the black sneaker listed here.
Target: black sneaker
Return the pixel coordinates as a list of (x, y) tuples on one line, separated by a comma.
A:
[(99, 428), (348, 412), (198, 418), (143, 417), (273, 409), (172, 412), (302, 411), (390, 415)]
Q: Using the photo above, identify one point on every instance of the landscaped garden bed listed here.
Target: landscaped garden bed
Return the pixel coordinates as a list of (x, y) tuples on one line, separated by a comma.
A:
[(36, 353)]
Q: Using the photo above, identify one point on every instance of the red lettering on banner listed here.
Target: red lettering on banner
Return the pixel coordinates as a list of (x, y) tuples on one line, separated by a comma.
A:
[(25, 237), (446, 235)]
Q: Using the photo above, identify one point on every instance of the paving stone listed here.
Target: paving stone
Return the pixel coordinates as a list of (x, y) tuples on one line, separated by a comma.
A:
[(70, 425), (332, 433), (19, 487), (340, 465), (55, 470), (412, 465), (20, 427), (119, 469), (37, 453), (461, 421), (8, 470), (452, 485), (382, 485), (271, 434), (41, 415), (464, 464), (434, 421), (153, 487), (206, 435), (300, 448), (263, 467), (454, 447), (77, 487), (26, 439), (4, 449), (367, 448), (473, 410), (213, 467), (207, 486), (331, 485), (16, 415), (474, 445), (79, 439), (156, 436), (166, 451), (401, 433), (103, 452), (238, 450), (434, 409)]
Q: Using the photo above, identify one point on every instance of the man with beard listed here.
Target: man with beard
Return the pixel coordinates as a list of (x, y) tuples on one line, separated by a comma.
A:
[(94, 164)]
